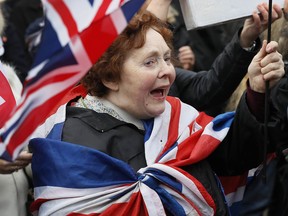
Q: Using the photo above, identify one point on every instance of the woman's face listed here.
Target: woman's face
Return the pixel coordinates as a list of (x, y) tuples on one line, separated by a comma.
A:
[(146, 78)]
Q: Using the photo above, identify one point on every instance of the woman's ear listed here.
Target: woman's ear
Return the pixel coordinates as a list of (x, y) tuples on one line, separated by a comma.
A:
[(114, 86)]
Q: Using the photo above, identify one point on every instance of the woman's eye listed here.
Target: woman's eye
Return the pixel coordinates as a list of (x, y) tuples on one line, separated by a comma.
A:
[(150, 62), (168, 59)]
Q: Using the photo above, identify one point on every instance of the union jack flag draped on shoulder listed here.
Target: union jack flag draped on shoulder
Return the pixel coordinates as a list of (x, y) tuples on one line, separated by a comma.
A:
[(76, 34), (71, 179)]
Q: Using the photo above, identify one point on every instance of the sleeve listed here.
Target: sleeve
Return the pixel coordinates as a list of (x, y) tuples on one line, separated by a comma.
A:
[(243, 147), (208, 89)]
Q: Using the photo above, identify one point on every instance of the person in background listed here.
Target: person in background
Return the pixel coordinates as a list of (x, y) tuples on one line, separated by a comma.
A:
[(181, 40), (270, 197), (19, 16), (206, 43)]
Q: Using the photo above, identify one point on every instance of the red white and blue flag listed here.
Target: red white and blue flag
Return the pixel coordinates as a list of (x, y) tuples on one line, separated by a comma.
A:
[(72, 179), (239, 189), (234, 188), (75, 35)]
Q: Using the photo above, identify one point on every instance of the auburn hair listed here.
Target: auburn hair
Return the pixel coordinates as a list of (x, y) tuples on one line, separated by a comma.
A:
[(109, 66)]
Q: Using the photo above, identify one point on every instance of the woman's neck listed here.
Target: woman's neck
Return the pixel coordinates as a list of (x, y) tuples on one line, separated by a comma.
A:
[(102, 105)]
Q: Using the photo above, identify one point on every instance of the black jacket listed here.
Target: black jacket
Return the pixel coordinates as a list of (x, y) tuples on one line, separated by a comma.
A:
[(209, 90)]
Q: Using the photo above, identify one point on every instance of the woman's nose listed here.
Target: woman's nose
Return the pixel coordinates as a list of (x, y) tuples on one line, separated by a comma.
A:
[(166, 69)]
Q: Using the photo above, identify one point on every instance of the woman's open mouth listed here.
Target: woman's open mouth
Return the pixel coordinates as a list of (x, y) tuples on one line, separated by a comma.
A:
[(158, 93)]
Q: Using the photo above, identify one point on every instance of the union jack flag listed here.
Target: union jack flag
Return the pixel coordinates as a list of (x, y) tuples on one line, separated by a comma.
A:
[(75, 35), (71, 185)]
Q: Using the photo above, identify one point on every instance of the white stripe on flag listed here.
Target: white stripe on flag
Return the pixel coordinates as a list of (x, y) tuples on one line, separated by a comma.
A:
[(236, 196), (159, 136), (114, 5), (152, 200), (216, 134), (58, 25), (2, 101), (83, 12), (119, 20), (50, 192)]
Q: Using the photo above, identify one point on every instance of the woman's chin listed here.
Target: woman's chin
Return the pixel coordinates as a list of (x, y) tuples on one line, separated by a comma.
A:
[(158, 111)]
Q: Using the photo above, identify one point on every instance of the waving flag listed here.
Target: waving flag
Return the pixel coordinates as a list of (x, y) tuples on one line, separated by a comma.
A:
[(75, 35), (71, 185)]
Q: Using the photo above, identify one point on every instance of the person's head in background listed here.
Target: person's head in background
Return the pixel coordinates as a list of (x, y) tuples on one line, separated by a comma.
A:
[(136, 71)]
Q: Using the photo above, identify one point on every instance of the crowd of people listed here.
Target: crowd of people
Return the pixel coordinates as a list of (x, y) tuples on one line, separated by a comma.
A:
[(134, 132)]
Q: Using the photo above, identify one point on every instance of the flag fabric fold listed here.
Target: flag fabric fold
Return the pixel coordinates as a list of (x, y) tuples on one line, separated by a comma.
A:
[(72, 179), (75, 35)]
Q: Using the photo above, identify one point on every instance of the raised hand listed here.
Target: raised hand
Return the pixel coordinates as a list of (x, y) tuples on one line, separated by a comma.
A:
[(256, 24), (267, 65)]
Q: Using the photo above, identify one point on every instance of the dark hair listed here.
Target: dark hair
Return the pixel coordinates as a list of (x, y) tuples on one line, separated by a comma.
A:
[(109, 65)]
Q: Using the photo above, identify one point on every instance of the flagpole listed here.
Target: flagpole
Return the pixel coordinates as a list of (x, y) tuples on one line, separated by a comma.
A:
[(267, 95)]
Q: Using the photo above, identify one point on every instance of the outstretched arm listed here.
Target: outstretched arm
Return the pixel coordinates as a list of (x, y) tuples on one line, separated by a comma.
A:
[(242, 149), (159, 8)]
